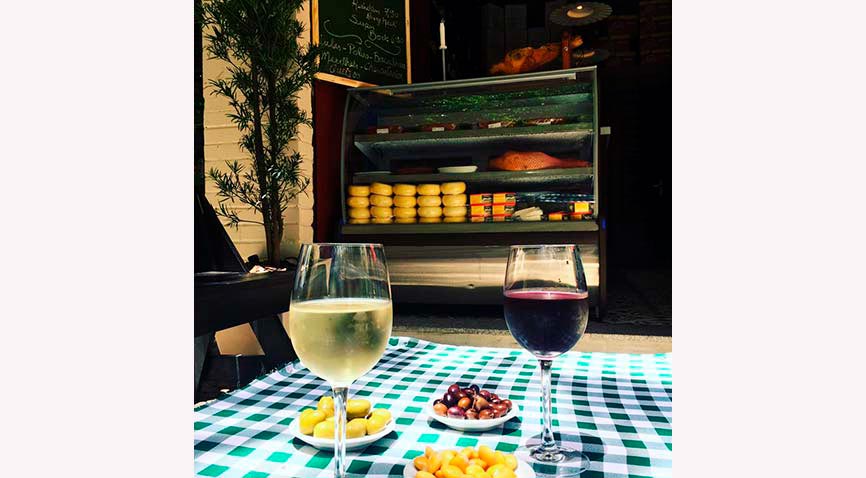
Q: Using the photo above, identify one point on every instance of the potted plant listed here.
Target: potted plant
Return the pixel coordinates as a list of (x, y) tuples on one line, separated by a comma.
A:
[(267, 67)]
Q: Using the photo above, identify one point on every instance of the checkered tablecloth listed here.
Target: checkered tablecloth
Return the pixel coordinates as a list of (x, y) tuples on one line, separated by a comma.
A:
[(618, 404)]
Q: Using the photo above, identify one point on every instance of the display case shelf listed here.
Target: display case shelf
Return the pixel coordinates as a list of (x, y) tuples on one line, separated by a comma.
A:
[(471, 227), (550, 177), (551, 138)]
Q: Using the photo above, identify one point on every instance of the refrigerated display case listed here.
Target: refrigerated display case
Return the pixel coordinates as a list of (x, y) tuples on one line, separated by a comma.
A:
[(534, 135)]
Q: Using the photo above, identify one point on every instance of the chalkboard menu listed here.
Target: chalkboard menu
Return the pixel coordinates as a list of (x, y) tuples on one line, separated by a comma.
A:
[(364, 42)]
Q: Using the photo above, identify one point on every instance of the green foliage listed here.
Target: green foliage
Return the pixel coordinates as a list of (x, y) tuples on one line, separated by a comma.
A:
[(267, 68)]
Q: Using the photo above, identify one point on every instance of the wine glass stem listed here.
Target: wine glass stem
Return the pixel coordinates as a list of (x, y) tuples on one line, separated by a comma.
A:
[(547, 441), (341, 395)]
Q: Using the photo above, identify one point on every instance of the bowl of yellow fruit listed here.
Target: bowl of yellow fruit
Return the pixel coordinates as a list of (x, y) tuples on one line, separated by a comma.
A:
[(365, 424), (483, 462)]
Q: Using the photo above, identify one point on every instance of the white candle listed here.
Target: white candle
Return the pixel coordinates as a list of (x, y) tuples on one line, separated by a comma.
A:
[(442, 34)]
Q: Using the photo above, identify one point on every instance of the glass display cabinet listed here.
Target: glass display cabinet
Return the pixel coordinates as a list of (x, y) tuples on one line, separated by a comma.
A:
[(522, 149)]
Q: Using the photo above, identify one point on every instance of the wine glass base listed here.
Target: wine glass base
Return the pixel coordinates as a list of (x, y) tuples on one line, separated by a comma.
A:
[(557, 461)]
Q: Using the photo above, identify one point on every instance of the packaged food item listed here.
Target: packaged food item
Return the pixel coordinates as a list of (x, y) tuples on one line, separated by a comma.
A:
[(384, 129), (381, 212), (405, 212), (457, 187), (404, 190), (452, 200), (438, 127), (492, 209), (544, 121), (428, 189), (382, 220), (481, 198), (429, 201), (435, 211), (556, 216), (359, 191), (504, 198), (455, 219), (381, 201), (581, 207), (576, 216), (406, 220), (430, 220), (381, 189), (359, 213), (405, 201), (359, 221), (358, 201), (528, 214), (458, 211), (496, 124), (496, 218)]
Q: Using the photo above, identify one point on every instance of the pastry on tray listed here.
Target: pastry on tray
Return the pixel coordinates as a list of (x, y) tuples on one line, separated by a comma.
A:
[(384, 129), (543, 121), (438, 127), (496, 124)]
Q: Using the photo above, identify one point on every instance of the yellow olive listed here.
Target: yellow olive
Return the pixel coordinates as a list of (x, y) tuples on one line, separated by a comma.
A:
[(357, 408), (324, 429), (375, 424), (356, 428), (326, 404), (308, 421), (381, 412)]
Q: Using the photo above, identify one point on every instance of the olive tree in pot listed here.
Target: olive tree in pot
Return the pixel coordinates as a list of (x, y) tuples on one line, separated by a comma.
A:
[(267, 68)]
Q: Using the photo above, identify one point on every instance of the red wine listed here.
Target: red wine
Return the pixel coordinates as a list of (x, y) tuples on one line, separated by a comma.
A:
[(546, 322)]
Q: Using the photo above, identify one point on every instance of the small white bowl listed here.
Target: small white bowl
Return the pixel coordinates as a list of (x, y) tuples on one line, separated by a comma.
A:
[(524, 470), (471, 425), (458, 169), (326, 444)]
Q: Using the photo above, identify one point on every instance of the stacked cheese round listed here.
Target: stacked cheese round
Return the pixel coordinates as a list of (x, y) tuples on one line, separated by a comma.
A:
[(429, 203), (404, 203), (359, 204), (454, 201)]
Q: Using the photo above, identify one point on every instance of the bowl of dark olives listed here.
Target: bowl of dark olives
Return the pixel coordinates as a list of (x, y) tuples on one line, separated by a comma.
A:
[(471, 408)]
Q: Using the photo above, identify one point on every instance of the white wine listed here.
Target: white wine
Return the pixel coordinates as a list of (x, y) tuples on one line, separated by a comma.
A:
[(340, 339)]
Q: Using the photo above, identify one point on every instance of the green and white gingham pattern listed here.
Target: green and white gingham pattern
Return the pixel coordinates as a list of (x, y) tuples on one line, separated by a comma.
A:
[(618, 404)]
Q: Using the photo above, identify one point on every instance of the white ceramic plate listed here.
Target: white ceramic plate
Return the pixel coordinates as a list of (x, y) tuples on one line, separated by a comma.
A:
[(458, 169), (325, 444), (523, 470), (471, 425)]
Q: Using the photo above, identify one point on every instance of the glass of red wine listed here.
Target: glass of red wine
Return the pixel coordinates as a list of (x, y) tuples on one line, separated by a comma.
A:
[(546, 309)]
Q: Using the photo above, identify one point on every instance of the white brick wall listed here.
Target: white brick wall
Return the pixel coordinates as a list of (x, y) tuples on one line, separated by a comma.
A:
[(221, 145)]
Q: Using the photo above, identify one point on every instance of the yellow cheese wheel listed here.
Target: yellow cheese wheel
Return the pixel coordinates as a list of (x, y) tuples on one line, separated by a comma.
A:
[(430, 220), (405, 220), (428, 189), (381, 212), (455, 219), (359, 221), (359, 213), (404, 201), (381, 201), (452, 200), (430, 211), (429, 201), (381, 189), (360, 191), (404, 189), (358, 201), (382, 220), (455, 211), (454, 188), (404, 212)]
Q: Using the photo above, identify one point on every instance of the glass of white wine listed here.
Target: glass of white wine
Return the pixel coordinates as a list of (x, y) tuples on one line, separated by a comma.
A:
[(340, 320)]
